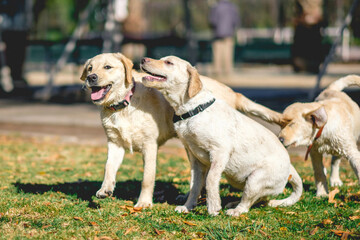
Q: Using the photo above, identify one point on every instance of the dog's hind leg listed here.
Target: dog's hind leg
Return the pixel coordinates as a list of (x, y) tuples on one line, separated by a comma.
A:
[(319, 172), (114, 160), (255, 189), (148, 183), (296, 183), (198, 174), (353, 156), (335, 175)]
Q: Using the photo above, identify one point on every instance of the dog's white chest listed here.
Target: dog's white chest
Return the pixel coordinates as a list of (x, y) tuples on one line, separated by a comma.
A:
[(119, 130)]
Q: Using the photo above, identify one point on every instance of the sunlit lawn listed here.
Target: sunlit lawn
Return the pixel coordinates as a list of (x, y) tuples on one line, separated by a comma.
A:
[(47, 191)]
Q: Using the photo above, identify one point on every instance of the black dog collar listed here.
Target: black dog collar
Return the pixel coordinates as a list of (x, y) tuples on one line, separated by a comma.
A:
[(124, 102), (193, 112)]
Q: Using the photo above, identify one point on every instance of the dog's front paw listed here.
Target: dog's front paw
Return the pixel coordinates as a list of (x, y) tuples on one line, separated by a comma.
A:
[(144, 204), (336, 182), (321, 194), (102, 193), (181, 209), (214, 210), (235, 212)]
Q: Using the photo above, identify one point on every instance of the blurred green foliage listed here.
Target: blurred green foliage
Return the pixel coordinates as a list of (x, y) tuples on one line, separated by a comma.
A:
[(56, 19)]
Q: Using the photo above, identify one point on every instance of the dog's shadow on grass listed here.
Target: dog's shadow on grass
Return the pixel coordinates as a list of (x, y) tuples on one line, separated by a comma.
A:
[(128, 190), (86, 190)]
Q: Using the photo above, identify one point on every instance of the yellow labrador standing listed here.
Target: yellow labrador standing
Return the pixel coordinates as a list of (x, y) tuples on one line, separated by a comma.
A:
[(138, 118), (219, 140), (329, 125)]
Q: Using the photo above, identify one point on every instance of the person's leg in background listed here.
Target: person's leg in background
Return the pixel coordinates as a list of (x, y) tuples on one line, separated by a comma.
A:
[(15, 54), (217, 48), (228, 53)]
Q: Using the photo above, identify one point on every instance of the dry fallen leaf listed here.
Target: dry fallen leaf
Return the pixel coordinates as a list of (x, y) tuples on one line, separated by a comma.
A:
[(78, 218), (327, 221), (340, 232), (332, 195), (93, 224), (104, 238), (354, 217), (263, 233), (137, 209), (128, 230), (159, 232), (189, 223), (200, 234), (66, 169), (312, 232), (345, 236)]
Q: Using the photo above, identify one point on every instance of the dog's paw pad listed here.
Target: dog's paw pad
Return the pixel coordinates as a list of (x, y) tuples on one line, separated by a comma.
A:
[(181, 209)]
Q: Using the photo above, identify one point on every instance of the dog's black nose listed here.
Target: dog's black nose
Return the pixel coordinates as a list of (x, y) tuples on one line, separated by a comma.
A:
[(144, 60), (92, 78), (281, 139)]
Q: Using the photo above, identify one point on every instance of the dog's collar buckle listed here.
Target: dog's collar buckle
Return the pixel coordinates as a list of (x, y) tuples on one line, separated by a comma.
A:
[(193, 112)]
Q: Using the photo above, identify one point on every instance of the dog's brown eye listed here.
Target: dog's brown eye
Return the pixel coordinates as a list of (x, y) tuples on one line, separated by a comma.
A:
[(168, 63), (107, 67), (89, 69)]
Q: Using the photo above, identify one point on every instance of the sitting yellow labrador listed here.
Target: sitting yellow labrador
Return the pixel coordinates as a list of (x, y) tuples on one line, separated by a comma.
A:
[(329, 125), (220, 140), (138, 118)]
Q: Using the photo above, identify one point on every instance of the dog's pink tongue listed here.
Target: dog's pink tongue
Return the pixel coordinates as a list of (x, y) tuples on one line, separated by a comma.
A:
[(96, 95)]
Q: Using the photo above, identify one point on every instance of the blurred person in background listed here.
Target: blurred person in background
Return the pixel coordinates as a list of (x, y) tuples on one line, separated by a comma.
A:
[(307, 50), (224, 19), (15, 23), (133, 28)]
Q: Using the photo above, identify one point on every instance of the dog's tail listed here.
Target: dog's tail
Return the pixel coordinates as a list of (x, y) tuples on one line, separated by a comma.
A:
[(349, 80), (249, 107), (296, 183)]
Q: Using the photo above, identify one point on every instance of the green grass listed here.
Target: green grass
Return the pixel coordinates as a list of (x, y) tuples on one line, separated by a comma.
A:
[(47, 192)]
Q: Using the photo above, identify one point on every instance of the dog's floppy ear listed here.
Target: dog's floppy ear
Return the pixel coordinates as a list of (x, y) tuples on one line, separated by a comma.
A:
[(318, 117), (128, 65), (195, 83), (283, 121), (84, 73)]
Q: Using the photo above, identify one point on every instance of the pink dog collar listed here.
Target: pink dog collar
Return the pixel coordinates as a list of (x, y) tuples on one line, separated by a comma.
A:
[(124, 103)]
